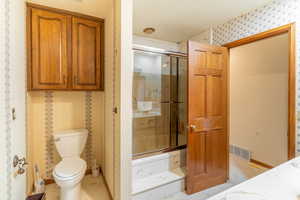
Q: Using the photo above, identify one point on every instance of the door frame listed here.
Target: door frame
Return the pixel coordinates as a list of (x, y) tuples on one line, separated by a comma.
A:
[(13, 98), (290, 30)]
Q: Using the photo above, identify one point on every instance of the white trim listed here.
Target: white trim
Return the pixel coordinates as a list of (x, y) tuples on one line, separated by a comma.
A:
[(124, 65), (126, 98), (15, 73)]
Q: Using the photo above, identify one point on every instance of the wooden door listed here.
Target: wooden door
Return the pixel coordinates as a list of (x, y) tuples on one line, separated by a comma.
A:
[(87, 54), (207, 148), (49, 68)]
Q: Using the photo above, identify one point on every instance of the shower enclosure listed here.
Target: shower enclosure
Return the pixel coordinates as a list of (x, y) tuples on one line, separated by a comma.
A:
[(159, 102)]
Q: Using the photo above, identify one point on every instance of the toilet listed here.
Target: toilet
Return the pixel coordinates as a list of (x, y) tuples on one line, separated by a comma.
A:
[(69, 172)]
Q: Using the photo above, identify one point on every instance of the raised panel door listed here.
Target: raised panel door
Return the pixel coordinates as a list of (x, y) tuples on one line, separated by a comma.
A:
[(87, 53), (49, 48), (207, 147)]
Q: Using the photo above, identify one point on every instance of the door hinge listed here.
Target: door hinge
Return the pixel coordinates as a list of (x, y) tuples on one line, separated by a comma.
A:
[(115, 110), (13, 114)]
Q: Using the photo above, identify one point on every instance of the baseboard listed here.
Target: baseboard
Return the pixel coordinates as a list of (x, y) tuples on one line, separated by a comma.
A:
[(49, 181), (261, 163)]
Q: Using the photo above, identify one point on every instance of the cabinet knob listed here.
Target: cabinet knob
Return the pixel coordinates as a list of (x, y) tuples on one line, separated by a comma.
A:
[(64, 79)]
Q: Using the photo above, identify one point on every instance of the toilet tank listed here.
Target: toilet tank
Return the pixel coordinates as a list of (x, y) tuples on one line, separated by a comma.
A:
[(70, 143)]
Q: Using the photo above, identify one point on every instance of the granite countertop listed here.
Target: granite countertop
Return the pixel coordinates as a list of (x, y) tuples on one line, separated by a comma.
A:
[(279, 183)]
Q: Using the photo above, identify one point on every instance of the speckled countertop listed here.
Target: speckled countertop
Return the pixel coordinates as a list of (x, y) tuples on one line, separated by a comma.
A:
[(279, 183)]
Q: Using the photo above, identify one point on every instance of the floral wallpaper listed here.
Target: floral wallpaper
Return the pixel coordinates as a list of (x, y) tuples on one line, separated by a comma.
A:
[(7, 97)]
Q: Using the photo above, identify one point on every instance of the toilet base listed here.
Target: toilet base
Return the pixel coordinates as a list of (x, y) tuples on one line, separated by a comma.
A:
[(73, 193)]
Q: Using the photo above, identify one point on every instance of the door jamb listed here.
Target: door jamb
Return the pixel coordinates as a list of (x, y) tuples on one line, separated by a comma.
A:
[(290, 29)]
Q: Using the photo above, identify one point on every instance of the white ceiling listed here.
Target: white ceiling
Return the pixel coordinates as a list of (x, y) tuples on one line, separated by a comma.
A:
[(178, 20)]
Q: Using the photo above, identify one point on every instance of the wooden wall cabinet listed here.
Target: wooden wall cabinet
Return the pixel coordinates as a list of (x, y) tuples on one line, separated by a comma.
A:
[(65, 50), (86, 43)]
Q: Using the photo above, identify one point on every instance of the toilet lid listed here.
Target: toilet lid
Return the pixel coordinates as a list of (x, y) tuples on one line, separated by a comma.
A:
[(70, 167)]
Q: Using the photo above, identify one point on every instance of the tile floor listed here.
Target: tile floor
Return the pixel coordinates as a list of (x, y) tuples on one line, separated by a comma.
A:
[(93, 188)]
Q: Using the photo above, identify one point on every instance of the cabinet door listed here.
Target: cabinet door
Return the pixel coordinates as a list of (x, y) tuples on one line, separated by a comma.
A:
[(49, 64), (87, 55)]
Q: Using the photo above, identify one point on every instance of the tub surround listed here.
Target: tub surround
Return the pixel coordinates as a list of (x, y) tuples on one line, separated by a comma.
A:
[(161, 177), (157, 180), (158, 176)]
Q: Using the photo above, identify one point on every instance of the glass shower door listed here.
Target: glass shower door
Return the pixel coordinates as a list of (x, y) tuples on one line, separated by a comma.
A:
[(178, 101), (151, 102)]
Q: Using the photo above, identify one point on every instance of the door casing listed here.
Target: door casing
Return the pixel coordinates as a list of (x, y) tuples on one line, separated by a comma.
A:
[(290, 30), (13, 98)]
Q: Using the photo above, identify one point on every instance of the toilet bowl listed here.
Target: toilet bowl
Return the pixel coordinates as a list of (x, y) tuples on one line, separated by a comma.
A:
[(68, 175), (69, 172)]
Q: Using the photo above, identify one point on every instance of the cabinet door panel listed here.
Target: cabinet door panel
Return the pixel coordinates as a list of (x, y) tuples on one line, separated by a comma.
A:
[(87, 69), (49, 50)]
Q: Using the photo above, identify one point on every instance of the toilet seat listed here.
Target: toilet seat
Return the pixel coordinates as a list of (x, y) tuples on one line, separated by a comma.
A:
[(69, 168)]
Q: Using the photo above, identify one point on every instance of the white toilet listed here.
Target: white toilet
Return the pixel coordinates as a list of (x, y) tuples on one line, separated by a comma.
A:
[(69, 172)]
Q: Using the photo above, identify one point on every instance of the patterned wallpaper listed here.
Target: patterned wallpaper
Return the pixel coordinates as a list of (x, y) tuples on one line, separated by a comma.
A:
[(272, 15), (54, 111), (49, 158), (88, 125), (3, 176), (7, 98)]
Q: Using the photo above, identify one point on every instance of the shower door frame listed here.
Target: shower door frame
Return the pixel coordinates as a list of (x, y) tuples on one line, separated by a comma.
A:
[(170, 147)]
